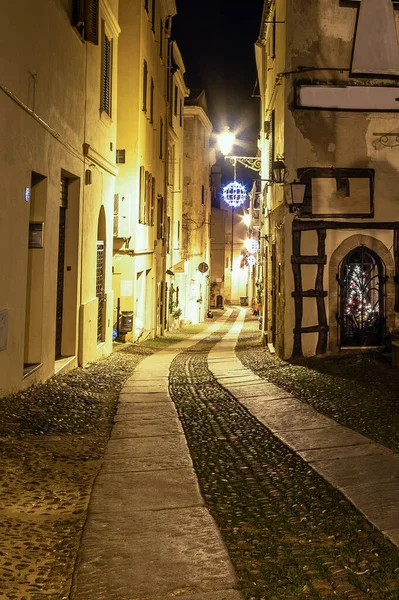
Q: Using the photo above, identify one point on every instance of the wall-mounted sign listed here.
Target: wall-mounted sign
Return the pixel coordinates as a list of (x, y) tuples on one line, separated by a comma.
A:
[(36, 231), (349, 97)]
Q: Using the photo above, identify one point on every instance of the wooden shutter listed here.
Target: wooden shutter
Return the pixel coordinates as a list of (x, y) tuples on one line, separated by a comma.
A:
[(141, 194), (152, 206), (152, 101), (145, 78), (106, 82), (78, 16), (271, 146), (91, 14)]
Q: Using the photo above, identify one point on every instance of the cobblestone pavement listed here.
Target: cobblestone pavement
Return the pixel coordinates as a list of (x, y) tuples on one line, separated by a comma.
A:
[(290, 535), (358, 390)]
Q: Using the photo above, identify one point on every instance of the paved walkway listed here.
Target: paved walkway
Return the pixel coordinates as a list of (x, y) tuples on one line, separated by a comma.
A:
[(148, 535)]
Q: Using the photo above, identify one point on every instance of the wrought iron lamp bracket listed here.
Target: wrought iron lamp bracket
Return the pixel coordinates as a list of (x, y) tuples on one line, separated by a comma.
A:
[(388, 140)]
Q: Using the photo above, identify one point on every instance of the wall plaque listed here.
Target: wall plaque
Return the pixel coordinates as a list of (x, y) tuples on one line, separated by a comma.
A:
[(36, 231)]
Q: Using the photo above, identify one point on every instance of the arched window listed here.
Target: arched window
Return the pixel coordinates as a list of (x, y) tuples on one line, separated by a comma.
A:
[(361, 293)]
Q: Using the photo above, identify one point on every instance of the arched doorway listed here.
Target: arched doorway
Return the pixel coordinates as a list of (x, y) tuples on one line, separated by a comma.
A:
[(361, 282)]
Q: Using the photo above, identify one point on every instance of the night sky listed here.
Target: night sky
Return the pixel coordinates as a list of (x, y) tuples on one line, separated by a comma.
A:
[(216, 39)]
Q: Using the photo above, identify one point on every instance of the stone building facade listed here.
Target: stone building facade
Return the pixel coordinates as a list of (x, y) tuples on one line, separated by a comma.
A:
[(197, 164), (327, 73), (58, 106)]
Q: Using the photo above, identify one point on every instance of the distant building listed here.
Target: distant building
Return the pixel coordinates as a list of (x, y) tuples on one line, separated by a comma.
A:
[(327, 73), (198, 160), (58, 116), (142, 217), (176, 272)]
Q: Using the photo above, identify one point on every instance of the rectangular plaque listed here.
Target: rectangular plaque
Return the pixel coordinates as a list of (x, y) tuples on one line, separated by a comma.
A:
[(36, 231), (350, 97)]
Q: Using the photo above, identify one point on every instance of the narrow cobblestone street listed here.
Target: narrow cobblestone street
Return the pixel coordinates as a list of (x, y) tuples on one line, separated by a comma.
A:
[(289, 533)]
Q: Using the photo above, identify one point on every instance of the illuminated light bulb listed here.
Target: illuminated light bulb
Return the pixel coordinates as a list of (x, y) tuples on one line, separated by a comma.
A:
[(251, 260), (226, 141), (247, 220)]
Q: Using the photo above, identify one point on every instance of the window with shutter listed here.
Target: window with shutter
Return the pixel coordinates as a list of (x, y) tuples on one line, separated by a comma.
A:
[(145, 80), (161, 39), (271, 145), (121, 156), (142, 194), (152, 206), (153, 16), (148, 195), (106, 76), (161, 138), (152, 101), (160, 217), (85, 18)]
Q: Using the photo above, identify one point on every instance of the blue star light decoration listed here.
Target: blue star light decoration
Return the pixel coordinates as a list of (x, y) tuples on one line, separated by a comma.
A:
[(234, 194)]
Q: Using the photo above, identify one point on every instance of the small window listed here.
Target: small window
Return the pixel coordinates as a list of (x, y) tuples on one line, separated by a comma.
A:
[(106, 75), (145, 82), (202, 194), (121, 157), (152, 101), (181, 112)]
